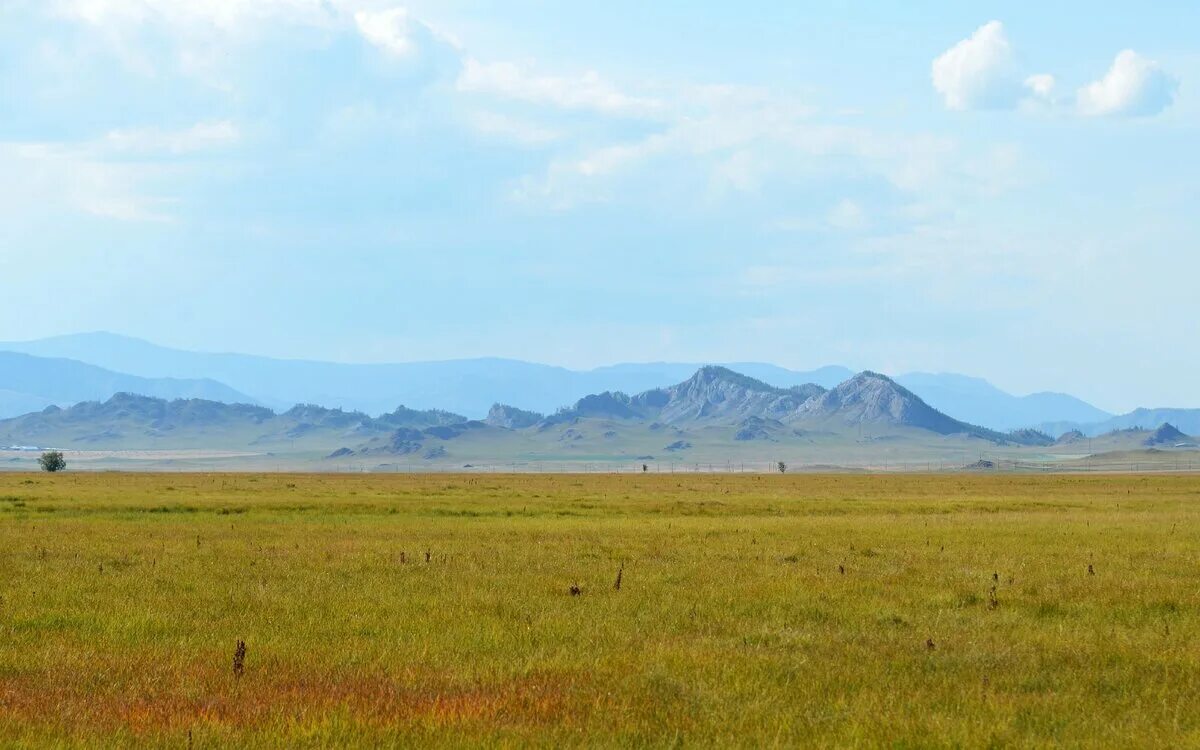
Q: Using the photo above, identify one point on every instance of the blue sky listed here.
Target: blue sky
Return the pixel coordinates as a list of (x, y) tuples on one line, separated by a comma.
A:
[(1001, 189)]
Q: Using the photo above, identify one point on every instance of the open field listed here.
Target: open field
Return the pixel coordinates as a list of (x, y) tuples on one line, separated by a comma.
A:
[(839, 457), (900, 610)]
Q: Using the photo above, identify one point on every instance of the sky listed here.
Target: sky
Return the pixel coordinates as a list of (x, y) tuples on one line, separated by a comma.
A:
[(1005, 190)]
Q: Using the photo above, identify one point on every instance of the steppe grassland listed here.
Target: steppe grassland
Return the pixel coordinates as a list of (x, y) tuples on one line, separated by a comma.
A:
[(912, 610)]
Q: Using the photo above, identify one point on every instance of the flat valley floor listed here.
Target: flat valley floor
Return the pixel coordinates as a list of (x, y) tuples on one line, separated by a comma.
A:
[(752, 610)]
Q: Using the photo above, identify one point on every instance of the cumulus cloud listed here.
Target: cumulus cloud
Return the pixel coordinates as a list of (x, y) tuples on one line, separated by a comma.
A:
[(1133, 86), (390, 30), (978, 72)]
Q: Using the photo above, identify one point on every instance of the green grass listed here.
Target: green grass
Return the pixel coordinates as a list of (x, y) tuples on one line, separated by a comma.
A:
[(122, 598)]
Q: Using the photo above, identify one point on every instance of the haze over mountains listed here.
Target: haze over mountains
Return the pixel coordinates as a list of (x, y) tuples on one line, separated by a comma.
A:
[(715, 414), (1187, 420), (468, 386), (68, 369), (979, 402), (30, 383), (715, 402)]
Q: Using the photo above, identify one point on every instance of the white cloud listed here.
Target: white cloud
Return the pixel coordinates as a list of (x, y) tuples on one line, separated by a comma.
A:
[(755, 279), (116, 176), (193, 23), (1133, 86), (848, 216), (696, 142), (382, 23), (731, 143), (56, 176), (200, 137), (390, 30), (567, 183), (203, 29), (401, 35), (227, 15), (588, 91), (978, 73), (1041, 85), (506, 128)]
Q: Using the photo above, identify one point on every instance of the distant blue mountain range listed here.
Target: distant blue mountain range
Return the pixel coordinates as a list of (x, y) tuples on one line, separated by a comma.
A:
[(977, 401), (1185, 420), (466, 386), (66, 369), (29, 383)]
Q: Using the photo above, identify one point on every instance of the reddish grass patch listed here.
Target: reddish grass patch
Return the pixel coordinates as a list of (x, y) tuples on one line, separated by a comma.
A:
[(170, 702)]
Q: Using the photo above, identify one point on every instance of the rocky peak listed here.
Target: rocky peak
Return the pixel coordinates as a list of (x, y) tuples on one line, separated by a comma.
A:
[(1166, 434), (512, 418), (319, 415), (875, 399), (718, 393)]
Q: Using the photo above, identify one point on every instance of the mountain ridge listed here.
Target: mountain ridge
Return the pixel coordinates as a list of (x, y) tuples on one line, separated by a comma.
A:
[(746, 408), (127, 420), (1187, 420), (467, 386), (472, 386), (717, 394)]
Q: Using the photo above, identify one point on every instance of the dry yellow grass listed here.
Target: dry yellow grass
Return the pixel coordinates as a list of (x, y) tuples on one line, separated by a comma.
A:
[(754, 610)]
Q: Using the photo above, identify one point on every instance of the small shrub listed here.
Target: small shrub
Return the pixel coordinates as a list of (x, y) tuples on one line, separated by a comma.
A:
[(52, 461)]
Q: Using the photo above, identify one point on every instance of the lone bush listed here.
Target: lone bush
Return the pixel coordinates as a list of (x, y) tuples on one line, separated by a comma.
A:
[(52, 461)]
